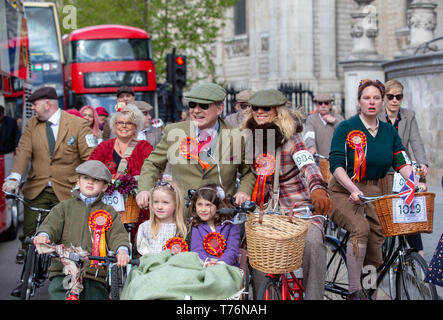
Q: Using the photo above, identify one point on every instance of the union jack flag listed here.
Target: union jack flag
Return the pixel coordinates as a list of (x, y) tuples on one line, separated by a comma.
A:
[(408, 191)]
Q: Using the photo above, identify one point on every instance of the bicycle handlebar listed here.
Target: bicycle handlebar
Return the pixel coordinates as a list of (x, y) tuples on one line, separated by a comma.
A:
[(10, 195), (110, 258), (371, 199)]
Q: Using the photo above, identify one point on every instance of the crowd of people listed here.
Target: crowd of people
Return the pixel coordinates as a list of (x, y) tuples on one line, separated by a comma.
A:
[(77, 156)]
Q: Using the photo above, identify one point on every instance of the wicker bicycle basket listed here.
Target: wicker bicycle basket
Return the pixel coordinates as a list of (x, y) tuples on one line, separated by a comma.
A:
[(276, 244), (324, 169), (132, 210), (386, 217)]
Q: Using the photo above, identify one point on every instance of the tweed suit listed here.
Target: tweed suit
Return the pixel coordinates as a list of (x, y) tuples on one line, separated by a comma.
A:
[(228, 153), (71, 149)]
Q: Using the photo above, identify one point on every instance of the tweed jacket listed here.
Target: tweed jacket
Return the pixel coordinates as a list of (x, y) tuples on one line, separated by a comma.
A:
[(228, 158), (317, 134), (67, 224), (71, 149), (409, 134)]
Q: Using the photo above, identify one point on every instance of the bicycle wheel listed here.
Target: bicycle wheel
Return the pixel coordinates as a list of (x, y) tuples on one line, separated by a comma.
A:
[(410, 284), (118, 278), (248, 286), (28, 274), (269, 289), (336, 281)]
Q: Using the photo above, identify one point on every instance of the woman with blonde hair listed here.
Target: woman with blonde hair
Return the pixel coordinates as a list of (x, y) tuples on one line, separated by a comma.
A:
[(124, 154), (276, 134)]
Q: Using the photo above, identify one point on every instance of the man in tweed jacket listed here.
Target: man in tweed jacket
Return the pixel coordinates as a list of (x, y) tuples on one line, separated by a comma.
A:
[(50, 178)]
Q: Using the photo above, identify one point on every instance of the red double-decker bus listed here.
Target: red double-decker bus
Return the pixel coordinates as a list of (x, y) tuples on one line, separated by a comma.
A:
[(99, 59)]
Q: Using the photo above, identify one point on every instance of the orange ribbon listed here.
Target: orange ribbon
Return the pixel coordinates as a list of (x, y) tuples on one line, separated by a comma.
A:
[(99, 221), (265, 167), (357, 141), (189, 148)]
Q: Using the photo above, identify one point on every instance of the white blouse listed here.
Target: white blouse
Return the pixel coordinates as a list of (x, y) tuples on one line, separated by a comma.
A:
[(146, 243)]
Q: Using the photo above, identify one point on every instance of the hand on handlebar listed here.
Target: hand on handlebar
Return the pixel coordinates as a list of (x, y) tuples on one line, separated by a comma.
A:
[(122, 258), (42, 239), (321, 201), (241, 197), (11, 186), (354, 197)]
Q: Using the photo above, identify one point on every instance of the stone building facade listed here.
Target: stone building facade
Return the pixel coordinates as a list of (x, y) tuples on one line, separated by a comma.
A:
[(267, 42)]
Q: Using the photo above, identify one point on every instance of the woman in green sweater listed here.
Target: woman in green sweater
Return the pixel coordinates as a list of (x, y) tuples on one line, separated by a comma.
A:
[(362, 151)]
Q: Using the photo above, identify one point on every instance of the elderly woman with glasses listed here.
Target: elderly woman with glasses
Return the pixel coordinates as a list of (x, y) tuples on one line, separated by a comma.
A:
[(276, 133), (124, 154), (362, 151)]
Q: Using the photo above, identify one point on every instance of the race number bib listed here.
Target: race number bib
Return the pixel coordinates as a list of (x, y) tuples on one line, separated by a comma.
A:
[(116, 200), (403, 214), (302, 158), (398, 182)]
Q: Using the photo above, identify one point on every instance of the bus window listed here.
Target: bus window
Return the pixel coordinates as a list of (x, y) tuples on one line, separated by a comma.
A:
[(43, 38), (110, 50)]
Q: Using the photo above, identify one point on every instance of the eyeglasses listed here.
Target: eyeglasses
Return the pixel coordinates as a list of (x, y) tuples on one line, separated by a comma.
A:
[(320, 103), (124, 124), (397, 96), (244, 105), (265, 109), (192, 105)]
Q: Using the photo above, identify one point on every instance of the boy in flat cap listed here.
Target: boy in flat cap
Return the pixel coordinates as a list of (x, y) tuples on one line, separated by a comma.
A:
[(74, 222), (213, 158), (55, 142)]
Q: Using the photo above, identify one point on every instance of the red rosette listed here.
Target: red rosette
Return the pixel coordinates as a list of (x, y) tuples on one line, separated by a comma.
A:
[(214, 243), (188, 148), (99, 221), (176, 245), (357, 141), (265, 167)]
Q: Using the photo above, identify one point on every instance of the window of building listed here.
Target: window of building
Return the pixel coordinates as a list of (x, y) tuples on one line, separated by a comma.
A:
[(240, 17)]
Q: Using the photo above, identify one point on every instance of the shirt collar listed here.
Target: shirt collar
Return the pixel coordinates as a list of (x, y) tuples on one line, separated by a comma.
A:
[(213, 129), (55, 118), (86, 199), (372, 131)]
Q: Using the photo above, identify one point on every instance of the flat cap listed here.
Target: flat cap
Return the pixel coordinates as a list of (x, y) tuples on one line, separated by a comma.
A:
[(101, 111), (206, 93), (243, 96), (323, 97), (95, 169), (268, 98), (143, 106), (43, 93), (125, 89)]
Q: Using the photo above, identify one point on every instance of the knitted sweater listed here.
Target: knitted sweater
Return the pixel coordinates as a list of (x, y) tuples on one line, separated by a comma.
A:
[(383, 151)]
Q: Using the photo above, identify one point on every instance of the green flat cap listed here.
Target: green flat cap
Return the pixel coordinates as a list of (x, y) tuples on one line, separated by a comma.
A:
[(268, 98), (206, 93)]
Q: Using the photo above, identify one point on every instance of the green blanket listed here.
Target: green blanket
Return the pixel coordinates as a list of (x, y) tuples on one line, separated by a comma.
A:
[(173, 277)]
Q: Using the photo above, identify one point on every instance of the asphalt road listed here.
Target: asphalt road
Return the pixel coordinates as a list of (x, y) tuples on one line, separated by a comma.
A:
[(10, 271)]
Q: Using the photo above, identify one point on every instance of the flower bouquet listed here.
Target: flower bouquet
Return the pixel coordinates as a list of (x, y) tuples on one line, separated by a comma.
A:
[(127, 186)]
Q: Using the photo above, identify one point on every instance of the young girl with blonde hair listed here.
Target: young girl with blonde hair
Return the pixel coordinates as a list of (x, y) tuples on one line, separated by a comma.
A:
[(166, 221)]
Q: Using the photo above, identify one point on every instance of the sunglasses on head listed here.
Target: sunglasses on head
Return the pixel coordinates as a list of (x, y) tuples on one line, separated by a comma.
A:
[(192, 105), (265, 109), (397, 96)]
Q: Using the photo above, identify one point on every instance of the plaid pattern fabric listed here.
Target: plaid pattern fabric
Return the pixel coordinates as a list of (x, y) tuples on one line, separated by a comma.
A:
[(147, 244), (295, 186)]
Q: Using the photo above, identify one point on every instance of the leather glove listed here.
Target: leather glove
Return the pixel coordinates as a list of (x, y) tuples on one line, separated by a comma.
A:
[(10, 186), (321, 201)]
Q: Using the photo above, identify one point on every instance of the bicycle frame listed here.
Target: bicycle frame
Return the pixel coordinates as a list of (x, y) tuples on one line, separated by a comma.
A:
[(291, 288)]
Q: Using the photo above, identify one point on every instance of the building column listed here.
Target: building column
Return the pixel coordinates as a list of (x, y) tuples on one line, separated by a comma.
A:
[(327, 39)]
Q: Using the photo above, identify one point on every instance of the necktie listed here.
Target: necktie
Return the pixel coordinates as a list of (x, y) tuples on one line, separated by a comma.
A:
[(204, 140), (51, 139)]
